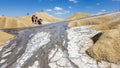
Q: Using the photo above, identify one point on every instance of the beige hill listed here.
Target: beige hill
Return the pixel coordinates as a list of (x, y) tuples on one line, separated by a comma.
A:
[(9, 22), (92, 21), (4, 37), (78, 15), (107, 47), (107, 26), (44, 16)]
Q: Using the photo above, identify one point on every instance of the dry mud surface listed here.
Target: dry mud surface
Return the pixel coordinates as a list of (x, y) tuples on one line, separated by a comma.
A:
[(51, 46)]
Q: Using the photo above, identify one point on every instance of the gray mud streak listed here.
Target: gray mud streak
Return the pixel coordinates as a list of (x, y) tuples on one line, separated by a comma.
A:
[(18, 45)]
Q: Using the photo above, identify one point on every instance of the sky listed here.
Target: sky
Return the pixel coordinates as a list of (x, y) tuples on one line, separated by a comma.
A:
[(58, 8)]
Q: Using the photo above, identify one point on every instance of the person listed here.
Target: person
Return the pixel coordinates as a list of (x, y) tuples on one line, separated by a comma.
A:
[(40, 21), (36, 20), (33, 18)]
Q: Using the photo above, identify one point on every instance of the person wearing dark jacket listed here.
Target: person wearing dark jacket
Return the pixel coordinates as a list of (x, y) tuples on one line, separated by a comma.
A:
[(40, 21), (36, 20), (33, 18)]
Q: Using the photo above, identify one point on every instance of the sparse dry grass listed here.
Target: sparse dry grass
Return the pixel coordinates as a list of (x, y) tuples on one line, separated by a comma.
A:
[(83, 22), (8, 22), (19, 22), (4, 37), (78, 15), (92, 21), (44, 16), (107, 47), (107, 26)]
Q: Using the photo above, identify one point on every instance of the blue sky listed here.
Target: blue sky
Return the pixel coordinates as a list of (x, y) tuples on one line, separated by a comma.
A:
[(59, 8)]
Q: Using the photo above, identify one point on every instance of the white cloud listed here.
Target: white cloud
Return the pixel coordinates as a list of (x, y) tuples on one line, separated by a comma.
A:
[(97, 3), (62, 12), (59, 13), (66, 12), (69, 7), (49, 10), (74, 1), (99, 13), (58, 8), (103, 10)]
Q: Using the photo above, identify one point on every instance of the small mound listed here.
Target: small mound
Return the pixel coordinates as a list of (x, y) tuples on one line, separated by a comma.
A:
[(24, 22), (84, 22), (78, 15), (107, 26), (92, 21), (4, 37), (107, 47), (8, 22)]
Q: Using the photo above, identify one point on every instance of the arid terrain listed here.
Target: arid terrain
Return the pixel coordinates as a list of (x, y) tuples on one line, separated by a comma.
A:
[(80, 41)]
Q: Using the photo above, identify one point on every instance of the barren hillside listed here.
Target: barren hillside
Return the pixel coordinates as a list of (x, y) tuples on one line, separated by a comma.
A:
[(44, 16), (78, 15), (93, 21), (9, 22)]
